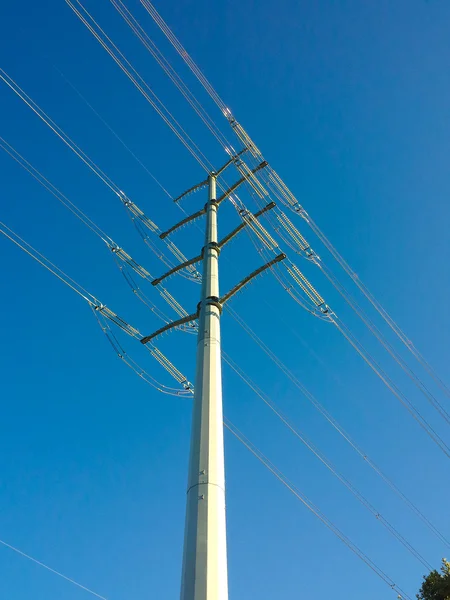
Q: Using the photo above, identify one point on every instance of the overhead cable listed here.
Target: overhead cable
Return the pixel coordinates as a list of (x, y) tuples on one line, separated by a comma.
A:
[(314, 509), (114, 133), (284, 194), (123, 63), (151, 47), (384, 377), (334, 423), (123, 260), (104, 311), (93, 166), (58, 573), (301, 246), (318, 301), (324, 460)]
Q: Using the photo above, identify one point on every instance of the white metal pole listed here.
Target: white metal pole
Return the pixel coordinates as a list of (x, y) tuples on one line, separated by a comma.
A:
[(205, 575)]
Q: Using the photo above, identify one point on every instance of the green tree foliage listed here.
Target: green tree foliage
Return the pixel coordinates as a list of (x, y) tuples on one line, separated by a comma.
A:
[(436, 586)]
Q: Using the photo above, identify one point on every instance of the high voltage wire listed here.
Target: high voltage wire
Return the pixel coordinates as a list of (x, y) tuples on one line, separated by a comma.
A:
[(395, 533), (324, 460), (319, 303), (42, 260), (303, 247), (333, 422), (58, 573), (116, 4), (126, 147), (105, 314), (86, 18), (418, 417), (58, 131), (185, 56), (228, 424), (79, 149), (285, 195), (417, 381), (114, 133), (123, 260), (378, 307), (308, 253), (95, 169), (55, 191), (145, 89), (314, 509), (74, 209), (83, 156), (284, 221), (151, 47)]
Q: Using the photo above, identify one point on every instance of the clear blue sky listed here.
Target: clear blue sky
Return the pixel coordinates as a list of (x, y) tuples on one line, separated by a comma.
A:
[(349, 101)]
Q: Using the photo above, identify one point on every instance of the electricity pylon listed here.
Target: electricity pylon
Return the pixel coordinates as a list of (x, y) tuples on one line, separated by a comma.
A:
[(205, 573)]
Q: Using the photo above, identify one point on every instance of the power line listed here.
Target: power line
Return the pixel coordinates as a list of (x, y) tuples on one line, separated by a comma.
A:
[(114, 133), (334, 423), (379, 308), (184, 55), (94, 167), (207, 86), (58, 131), (302, 247), (417, 416), (106, 314), (91, 167), (319, 303), (325, 461), (58, 573), (143, 86), (284, 194), (123, 260), (42, 260), (314, 509), (417, 381), (14, 154), (119, 58), (307, 252), (152, 48)]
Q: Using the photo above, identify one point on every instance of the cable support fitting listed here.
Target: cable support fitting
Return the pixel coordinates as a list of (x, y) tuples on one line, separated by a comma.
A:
[(324, 308), (187, 385), (123, 197)]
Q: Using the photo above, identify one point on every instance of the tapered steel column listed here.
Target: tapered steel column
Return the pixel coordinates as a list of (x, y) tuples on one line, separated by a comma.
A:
[(205, 574)]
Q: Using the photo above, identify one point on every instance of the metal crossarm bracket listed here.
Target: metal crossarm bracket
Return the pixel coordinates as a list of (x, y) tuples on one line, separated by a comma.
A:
[(199, 213), (203, 184), (169, 326), (247, 279), (228, 163), (189, 262), (224, 241), (241, 181), (199, 186), (219, 303), (240, 227)]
